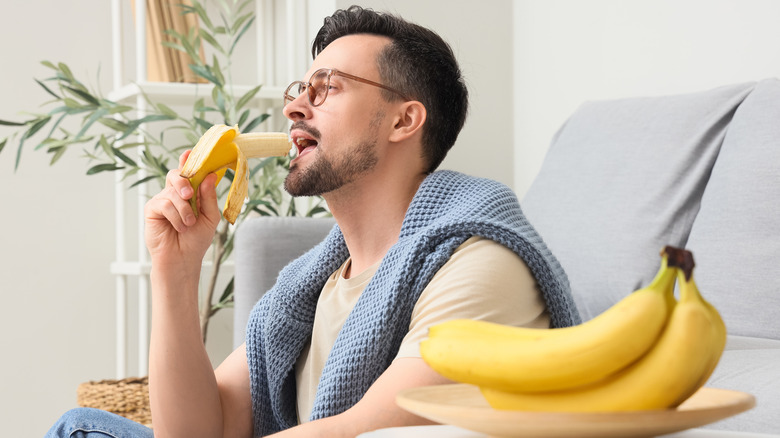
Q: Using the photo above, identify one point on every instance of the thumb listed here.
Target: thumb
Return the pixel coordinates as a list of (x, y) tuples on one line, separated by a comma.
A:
[(208, 198)]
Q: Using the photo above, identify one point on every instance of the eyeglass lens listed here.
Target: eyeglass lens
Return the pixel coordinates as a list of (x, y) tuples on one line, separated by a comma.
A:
[(317, 88)]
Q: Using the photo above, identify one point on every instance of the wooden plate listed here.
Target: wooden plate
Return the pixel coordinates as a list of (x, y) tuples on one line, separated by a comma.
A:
[(463, 406)]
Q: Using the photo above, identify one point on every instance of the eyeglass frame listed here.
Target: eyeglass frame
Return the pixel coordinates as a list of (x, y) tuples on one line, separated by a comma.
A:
[(331, 72)]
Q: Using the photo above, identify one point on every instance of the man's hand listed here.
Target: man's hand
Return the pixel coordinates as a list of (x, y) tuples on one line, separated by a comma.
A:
[(173, 234)]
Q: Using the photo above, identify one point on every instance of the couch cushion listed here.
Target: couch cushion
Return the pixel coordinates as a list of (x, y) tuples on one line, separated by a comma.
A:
[(622, 179), (736, 236), (753, 370)]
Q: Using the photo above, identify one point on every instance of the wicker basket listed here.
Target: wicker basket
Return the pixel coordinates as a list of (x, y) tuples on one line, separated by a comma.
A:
[(127, 397)]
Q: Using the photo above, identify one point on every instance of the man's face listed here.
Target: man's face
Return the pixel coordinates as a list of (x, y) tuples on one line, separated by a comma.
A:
[(337, 141)]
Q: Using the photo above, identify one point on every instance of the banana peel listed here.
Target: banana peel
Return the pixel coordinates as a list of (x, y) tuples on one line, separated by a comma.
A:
[(223, 147)]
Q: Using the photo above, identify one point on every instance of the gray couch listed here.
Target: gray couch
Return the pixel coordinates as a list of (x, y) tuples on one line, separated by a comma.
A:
[(622, 179), (625, 177)]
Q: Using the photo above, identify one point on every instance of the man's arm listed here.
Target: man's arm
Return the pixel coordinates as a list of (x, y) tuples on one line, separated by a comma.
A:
[(235, 395), (377, 408), (187, 396)]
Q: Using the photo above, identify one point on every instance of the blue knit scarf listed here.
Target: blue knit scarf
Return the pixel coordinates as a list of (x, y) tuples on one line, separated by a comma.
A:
[(448, 208)]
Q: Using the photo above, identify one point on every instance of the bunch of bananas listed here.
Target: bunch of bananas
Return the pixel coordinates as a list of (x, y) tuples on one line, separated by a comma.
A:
[(222, 147), (648, 351)]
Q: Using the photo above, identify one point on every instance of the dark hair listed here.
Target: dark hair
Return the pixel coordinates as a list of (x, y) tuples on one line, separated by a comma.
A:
[(419, 63)]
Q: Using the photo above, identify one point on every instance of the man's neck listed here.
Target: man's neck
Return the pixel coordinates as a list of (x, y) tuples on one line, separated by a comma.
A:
[(370, 213)]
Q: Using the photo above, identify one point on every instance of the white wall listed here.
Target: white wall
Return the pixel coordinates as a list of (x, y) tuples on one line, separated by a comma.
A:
[(56, 227), (480, 34), (569, 51)]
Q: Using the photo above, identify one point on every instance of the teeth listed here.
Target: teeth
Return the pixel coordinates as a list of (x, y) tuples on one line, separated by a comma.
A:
[(304, 142)]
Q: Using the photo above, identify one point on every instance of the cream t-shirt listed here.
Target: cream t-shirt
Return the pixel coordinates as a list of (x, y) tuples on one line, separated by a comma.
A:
[(502, 290)]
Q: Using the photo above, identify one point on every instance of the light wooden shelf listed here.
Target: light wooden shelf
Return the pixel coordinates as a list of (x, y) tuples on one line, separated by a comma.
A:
[(135, 268)]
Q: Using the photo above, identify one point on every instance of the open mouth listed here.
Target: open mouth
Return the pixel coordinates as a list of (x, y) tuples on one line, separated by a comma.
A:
[(305, 145)]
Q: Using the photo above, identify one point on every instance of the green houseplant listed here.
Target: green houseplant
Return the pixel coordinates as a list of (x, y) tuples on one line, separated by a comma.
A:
[(114, 138)]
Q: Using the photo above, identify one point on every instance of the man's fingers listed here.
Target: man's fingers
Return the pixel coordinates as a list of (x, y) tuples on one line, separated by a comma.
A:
[(169, 205), (208, 197), (181, 185)]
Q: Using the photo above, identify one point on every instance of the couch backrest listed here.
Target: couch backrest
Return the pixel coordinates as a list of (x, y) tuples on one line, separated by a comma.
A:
[(736, 235), (625, 177), (263, 246)]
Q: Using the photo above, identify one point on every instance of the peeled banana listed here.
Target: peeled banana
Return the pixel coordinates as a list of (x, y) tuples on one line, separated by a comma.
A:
[(223, 147), (672, 367), (531, 360)]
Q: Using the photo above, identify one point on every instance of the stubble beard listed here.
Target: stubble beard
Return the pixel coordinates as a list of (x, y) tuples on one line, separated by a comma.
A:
[(326, 174)]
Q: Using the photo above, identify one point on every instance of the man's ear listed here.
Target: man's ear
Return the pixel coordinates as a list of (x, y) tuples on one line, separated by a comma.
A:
[(409, 120)]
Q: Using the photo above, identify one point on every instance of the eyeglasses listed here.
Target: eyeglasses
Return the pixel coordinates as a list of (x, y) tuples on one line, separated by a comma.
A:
[(319, 84)]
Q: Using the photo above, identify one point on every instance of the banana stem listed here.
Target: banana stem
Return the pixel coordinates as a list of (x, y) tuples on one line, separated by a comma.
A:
[(219, 250), (680, 258)]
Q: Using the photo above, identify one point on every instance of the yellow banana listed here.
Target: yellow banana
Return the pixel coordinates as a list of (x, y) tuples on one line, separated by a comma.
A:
[(676, 367), (222, 147), (527, 359), (688, 286)]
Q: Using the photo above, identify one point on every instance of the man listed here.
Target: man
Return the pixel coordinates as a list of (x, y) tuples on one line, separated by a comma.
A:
[(333, 342)]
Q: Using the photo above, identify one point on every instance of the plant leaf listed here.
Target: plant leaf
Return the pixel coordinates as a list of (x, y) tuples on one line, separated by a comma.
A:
[(133, 125), (243, 117), (65, 70), (10, 123), (204, 72), (83, 95), (204, 17), (165, 109), (105, 167), (209, 38), (256, 121), (239, 21), (219, 99), (227, 294), (47, 89), (240, 34), (18, 153), (203, 123), (103, 143), (59, 151), (143, 180), (247, 97), (116, 125), (121, 155), (36, 126), (119, 109), (92, 119)]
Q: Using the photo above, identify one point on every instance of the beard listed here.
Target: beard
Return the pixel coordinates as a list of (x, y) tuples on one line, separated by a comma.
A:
[(326, 174)]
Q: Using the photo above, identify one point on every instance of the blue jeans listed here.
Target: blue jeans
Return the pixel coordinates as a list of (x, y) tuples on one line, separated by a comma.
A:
[(94, 423)]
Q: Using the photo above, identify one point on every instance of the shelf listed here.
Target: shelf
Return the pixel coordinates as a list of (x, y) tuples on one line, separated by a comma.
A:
[(185, 93), (141, 268)]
